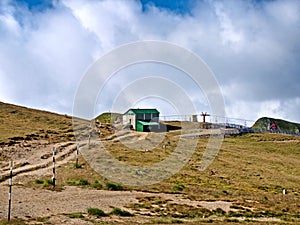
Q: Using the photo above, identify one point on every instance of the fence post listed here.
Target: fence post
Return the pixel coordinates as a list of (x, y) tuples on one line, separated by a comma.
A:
[(53, 169), (10, 189)]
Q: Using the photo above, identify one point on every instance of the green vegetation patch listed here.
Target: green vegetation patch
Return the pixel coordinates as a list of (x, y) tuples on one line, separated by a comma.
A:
[(120, 212), (78, 182), (75, 215), (96, 212), (113, 187)]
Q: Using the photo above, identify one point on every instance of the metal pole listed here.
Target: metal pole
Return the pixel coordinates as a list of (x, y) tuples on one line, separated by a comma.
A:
[(53, 169), (10, 190), (77, 150), (89, 139)]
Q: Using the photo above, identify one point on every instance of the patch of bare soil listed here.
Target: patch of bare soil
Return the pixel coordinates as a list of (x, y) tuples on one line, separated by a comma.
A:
[(28, 203), (35, 159), (33, 203)]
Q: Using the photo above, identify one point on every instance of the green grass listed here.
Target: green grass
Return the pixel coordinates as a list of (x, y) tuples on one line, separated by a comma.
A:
[(75, 215), (120, 212), (78, 182), (44, 182), (178, 187), (96, 212), (113, 187)]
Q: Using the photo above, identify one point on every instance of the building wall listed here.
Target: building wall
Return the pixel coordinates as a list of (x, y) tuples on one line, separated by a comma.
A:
[(130, 119), (139, 127)]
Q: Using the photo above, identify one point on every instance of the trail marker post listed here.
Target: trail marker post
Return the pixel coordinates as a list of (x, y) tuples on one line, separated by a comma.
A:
[(77, 152), (53, 169), (89, 139), (11, 164)]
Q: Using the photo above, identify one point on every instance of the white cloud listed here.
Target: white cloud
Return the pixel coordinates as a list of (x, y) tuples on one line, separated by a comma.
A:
[(252, 47)]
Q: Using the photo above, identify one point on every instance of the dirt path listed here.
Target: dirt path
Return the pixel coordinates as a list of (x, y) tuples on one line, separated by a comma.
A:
[(29, 203), (33, 203), (40, 161)]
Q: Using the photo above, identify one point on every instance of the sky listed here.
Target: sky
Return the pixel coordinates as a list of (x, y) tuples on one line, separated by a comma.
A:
[(252, 48)]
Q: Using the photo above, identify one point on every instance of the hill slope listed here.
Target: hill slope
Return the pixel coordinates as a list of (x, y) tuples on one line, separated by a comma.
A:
[(248, 175), (282, 125), (17, 123), (108, 117)]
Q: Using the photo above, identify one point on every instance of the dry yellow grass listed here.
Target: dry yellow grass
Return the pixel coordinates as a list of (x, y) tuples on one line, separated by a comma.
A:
[(250, 171), (21, 122)]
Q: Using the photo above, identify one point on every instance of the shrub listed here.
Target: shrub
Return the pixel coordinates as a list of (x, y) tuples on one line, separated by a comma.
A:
[(113, 187), (120, 212), (48, 182), (83, 182), (77, 166), (96, 212), (39, 181), (219, 211), (71, 182), (97, 185), (80, 182), (178, 187), (75, 215)]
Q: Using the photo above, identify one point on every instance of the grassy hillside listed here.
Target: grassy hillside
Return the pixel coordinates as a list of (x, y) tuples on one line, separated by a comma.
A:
[(251, 171), (282, 125), (18, 122), (108, 117)]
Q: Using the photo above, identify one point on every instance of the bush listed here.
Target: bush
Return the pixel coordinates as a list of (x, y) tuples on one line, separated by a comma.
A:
[(120, 212), (39, 181), (80, 182), (75, 215), (113, 187), (219, 211), (178, 187), (47, 183), (97, 185), (83, 182), (96, 212), (77, 166)]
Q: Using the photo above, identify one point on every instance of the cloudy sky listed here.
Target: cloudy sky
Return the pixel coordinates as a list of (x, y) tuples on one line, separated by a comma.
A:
[(252, 47)]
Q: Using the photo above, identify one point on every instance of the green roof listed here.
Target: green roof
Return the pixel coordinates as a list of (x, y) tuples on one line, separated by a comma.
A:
[(142, 111), (147, 123)]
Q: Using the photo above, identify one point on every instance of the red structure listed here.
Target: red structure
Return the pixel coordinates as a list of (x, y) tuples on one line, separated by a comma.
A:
[(204, 115)]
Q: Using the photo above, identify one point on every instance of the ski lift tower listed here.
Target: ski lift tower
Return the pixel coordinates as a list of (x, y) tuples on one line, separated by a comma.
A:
[(204, 115)]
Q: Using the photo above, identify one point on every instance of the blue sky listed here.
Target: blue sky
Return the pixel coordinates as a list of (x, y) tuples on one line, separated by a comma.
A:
[(178, 6), (38, 5), (252, 47)]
